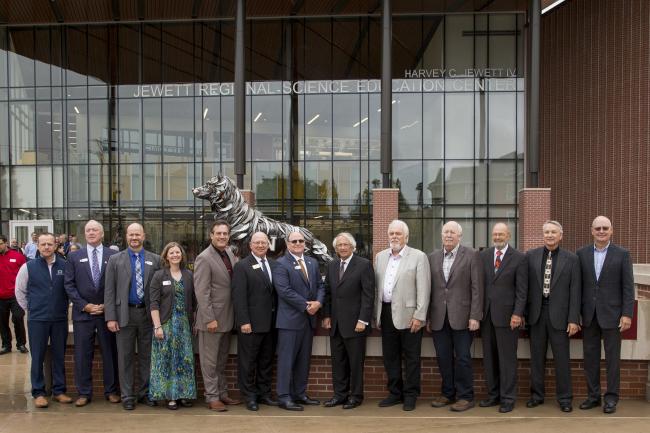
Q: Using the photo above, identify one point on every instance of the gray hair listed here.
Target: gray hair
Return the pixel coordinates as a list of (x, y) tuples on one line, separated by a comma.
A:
[(555, 223), (401, 224), (458, 227), (349, 237)]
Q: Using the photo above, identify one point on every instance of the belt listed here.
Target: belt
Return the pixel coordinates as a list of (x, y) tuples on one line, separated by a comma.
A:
[(137, 305)]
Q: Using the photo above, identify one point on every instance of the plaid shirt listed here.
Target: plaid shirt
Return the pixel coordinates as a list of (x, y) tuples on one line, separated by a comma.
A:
[(448, 261)]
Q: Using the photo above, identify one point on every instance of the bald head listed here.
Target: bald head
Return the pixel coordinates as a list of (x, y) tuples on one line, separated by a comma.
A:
[(135, 237), (602, 231), (500, 235)]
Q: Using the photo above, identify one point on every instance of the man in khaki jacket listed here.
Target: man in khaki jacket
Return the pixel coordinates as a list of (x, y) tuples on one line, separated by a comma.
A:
[(215, 316)]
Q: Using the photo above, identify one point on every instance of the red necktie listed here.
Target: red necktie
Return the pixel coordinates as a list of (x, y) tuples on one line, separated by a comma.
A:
[(497, 262)]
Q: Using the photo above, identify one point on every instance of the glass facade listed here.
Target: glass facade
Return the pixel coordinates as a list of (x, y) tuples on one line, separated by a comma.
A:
[(117, 122)]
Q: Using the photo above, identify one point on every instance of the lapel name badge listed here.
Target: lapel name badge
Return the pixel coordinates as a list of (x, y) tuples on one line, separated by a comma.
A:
[(257, 266), (167, 283), (84, 260), (147, 262), (297, 267)]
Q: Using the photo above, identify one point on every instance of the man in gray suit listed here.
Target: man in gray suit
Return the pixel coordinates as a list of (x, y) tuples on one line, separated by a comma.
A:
[(607, 309), (213, 270), (553, 313), (454, 313), (126, 311), (401, 300)]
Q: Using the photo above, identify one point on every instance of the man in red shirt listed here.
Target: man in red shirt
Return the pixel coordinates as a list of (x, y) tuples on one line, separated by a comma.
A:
[(10, 262)]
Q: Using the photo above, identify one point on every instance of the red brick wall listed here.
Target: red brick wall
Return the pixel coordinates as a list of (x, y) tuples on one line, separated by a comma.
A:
[(534, 210), (248, 196), (384, 210), (594, 111)]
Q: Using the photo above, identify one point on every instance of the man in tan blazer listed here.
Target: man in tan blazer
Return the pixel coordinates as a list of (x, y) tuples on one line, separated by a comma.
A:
[(215, 316), (456, 310), (403, 287)]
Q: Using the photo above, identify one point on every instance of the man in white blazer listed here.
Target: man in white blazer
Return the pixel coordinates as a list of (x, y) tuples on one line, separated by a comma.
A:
[(401, 301)]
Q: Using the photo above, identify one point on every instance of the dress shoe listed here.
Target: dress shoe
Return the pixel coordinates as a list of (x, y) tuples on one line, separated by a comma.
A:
[(172, 405), (391, 400), (461, 405), (533, 403), (22, 349), (268, 401), (230, 401), (609, 407), (308, 401), (217, 406), (489, 402), (5, 350), (62, 398), (113, 398), (41, 402), (148, 401), (183, 402), (128, 404), (252, 405), (334, 402), (566, 407), (409, 404), (290, 405), (506, 406), (81, 401), (351, 403), (442, 401), (589, 404)]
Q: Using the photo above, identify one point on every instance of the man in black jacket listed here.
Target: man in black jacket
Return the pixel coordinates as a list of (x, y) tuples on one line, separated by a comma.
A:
[(607, 309), (349, 301), (254, 302), (506, 290)]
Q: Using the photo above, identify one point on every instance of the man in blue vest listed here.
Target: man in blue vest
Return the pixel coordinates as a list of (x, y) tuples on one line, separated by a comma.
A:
[(40, 291)]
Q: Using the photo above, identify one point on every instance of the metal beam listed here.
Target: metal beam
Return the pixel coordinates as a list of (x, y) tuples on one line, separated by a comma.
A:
[(56, 9), (240, 96), (386, 94), (533, 65)]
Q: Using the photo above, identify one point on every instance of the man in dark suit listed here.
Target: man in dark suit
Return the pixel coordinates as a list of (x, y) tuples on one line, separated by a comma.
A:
[(84, 283), (254, 301), (607, 309), (349, 302), (298, 283), (553, 313), (506, 288), (126, 311), (456, 308)]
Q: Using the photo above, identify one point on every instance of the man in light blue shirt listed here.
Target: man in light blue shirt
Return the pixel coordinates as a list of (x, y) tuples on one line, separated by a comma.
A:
[(31, 247)]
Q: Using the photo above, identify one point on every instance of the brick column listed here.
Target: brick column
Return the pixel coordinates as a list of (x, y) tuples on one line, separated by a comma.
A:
[(534, 211), (384, 210), (249, 196)]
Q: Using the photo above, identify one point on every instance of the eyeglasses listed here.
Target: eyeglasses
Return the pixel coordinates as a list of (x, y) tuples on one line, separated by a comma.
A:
[(260, 243), (601, 229), (298, 241)]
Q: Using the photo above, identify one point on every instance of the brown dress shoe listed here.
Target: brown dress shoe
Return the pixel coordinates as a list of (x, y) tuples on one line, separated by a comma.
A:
[(217, 406), (41, 402), (461, 405), (114, 398), (81, 401), (230, 401), (62, 398), (442, 401)]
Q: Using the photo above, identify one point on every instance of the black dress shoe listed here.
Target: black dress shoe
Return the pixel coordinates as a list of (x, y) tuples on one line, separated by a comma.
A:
[(609, 407), (334, 402), (5, 350), (352, 403), (290, 405), (409, 404), (566, 407), (128, 404), (252, 405), (506, 407), (148, 401), (22, 349), (183, 402), (489, 402), (308, 401), (268, 401), (391, 400), (533, 403), (589, 404)]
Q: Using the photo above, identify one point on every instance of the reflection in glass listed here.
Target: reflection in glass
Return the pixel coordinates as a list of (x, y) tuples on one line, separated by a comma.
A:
[(266, 128), (152, 184), (76, 131), (459, 48), (407, 126), (77, 191), (98, 177), (178, 133), (23, 187), (268, 182), (433, 116), (459, 182), (459, 134), (503, 47), (22, 125), (57, 132), (44, 187), (211, 115), (433, 182), (318, 126), (347, 126), (318, 193), (98, 143), (178, 183), (502, 182), (4, 131), (346, 183), (407, 177), (503, 125), (129, 131), (58, 185), (21, 57)]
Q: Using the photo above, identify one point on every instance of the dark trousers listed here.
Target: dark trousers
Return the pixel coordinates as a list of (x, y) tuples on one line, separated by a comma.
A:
[(294, 356), (138, 331), (84, 351), (591, 336), (348, 355), (40, 333), (255, 364), (10, 307), (456, 371), (500, 360), (540, 334), (394, 344)]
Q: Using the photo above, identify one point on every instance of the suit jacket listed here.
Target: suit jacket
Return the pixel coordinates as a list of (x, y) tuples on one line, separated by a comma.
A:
[(612, 295), (351, 298), (294, 291), (410, 298), (564, 300), (162, 295), (79, 284), (461, 297), (507, 289), (118, 284), (253, 296), (212, 290)]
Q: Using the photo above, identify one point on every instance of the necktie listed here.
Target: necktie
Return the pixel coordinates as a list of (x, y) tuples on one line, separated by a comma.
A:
[(497, 262), (304, 270), (139, 284), (266, 271), (226, 262), (341, 270), (95, 268), (546, 290)]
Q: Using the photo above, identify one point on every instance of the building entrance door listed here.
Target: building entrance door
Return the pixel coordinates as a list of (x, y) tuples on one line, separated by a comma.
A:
[(22, 230)]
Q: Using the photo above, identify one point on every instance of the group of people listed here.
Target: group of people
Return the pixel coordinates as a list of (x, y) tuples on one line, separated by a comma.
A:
[(135, 298)]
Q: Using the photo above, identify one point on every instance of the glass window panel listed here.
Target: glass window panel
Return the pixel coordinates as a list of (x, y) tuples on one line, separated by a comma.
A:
[(503, 47), (130, 146), (318, 126), (521, 124), (77, 55), (521, 175), (98, 55), (3, 57), (153, 228), (56, 56), (44, 132), (374, 126), (4, 187), (266, 137), (503, 211), (459, 48), (502, 182), (433, 190), (57, 132), (346, 183), (407, 177), (480, 182), (77, 191), (21, 57), (178, 131), (318, 57), (415, 231), (179, 227), (350, 54), (4, 131), (211, 128), (433, 116), (227, 128), (268, 183), (459, 182), (44, 177), (42, 56), (129, 54), (502, 125), (459, 135), (481, 124), (153, 139), (481, 234), (152, 184), (129, 185), (265, 49), (77, 131), (177, 184), (98, 143), (100, 194), (407, 126), (318, 194), (58, 185), (481, 41), (177, 53), (347, 126), (22, 124), (151, 60)]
